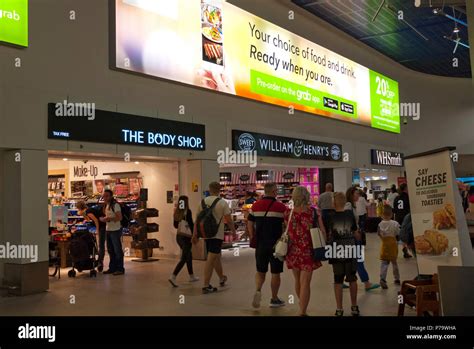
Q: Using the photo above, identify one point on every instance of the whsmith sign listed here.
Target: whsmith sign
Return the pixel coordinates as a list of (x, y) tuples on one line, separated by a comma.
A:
[(277, 146), (386, 158)]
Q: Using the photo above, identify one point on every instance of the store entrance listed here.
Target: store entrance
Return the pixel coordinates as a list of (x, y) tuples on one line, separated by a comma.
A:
[(378, 181), (241, 186), (77, 179)]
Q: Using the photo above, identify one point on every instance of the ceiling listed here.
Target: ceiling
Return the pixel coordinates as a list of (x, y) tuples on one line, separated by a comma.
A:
[(394, 38)]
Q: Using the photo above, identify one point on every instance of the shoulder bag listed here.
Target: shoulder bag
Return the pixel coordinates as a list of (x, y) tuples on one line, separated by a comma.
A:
[(318, 239), (281, 247), (183, 228)]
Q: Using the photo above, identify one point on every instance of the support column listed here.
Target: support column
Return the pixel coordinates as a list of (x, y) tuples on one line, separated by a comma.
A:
[(194, 178), (2, 215), (470, 20), (342, 179), (25, 223)]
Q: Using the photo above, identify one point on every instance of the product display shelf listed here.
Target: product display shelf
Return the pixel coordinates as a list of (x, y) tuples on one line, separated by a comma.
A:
[(56, 185), (284, 191), (309, 178), (143, 245), (239, 216), (236, 191)]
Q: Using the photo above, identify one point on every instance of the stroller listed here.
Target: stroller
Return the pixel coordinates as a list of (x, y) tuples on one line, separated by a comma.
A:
[(83, 251)]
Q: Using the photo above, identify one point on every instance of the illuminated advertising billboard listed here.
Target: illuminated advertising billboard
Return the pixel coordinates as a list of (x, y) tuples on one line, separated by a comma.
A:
[(215, 45), (14, 22)]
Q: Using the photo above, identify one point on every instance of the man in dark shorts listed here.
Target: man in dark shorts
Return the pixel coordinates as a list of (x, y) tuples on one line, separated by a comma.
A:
[(326, 204), (265, 223), (222, 214), (342, 233)]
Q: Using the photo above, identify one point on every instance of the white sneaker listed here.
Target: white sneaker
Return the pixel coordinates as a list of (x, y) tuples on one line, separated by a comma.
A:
[(172, 281), (193, 278), (257, 298)]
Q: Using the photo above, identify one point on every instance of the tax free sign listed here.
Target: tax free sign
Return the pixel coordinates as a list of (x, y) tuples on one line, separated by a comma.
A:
[(78, 122), (14, 22)]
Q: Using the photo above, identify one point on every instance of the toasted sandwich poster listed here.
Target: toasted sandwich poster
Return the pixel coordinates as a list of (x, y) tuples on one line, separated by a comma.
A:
[(436, 212)]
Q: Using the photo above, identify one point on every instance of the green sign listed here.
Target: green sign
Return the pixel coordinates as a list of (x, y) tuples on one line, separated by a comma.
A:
[(14, 22), (384, 102), (288, 91)]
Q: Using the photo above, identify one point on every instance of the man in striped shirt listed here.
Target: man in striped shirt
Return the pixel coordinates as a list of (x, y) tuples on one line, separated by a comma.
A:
[(265, 223)]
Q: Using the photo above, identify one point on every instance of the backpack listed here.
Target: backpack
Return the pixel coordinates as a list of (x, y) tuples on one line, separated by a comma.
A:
[(126, 214), (207, 226), (97, 210), (406, 230)]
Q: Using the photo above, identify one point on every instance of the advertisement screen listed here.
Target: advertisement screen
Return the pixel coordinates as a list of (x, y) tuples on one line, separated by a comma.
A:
[(14, 22), (218, 46)]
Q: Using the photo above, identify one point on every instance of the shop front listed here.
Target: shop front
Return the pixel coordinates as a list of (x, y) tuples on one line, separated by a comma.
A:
[(287, 162), (136, 185), (386, 169), (137, 181)]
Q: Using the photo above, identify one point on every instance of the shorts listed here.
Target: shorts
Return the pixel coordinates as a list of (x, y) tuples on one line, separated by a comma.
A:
[(214, 246), (264, 256), (345, 269)]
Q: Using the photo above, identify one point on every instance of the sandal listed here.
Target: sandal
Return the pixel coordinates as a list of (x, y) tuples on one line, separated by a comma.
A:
[(372, 287)]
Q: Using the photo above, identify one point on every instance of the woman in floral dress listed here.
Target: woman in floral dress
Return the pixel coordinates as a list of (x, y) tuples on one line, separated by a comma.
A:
[(300, 248)]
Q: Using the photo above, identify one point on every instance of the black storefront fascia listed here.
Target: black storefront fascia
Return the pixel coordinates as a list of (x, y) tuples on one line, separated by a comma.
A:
[(286, 147), (118, 128), (386, 158)]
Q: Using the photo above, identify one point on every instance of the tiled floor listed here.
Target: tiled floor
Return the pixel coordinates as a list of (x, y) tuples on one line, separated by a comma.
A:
[(144, 290)]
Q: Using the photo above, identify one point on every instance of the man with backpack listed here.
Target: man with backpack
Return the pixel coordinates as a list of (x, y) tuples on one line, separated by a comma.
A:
[(212, 215), (112, 219)]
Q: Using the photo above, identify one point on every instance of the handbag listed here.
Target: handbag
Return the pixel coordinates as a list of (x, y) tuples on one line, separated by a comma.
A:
[(281, 247), (184, 229), (253, 241), (318, 239)]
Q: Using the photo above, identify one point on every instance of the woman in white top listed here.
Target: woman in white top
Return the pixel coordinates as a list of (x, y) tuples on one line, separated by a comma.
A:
[(113, 216), (392, 195), (361, 211)]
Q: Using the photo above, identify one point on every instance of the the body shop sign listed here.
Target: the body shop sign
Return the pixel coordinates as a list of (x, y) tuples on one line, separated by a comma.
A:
[(119, 128), (14, 22), (386, 158), (277, 146)]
